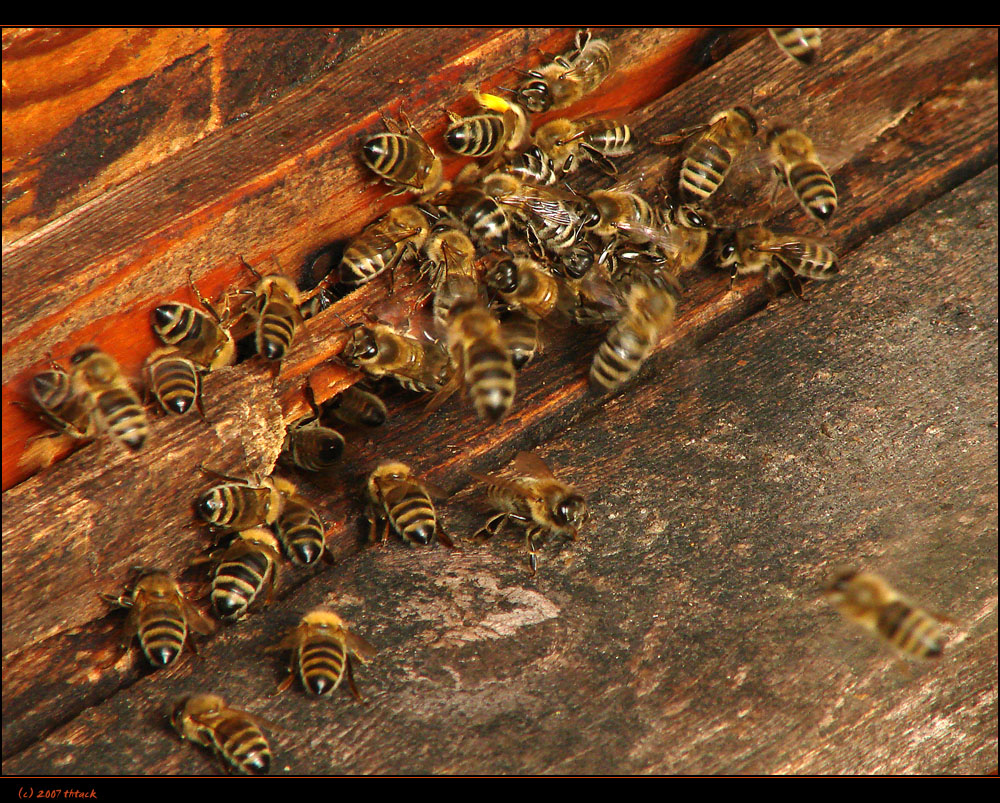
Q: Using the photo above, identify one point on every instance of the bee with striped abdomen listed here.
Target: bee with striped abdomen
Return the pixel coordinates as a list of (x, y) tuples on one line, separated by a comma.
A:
[(308, 444), (234, 736), (299, 527), (477, 347), (569, 142), (501, 125), (115, 406), (403, 503), (869, 601), (711, 150), (649, 311), (796, 162), (520, 332), (536, 500), (756, 249), (358, 407), (322, 650), (173, 380), (275, 311), (160, 616), (203, 339), (384, 243), (238, 504), (420, 365), (482, 216), (568, 77), (66, 411), (247, 568), (403, 160), (800, 44)]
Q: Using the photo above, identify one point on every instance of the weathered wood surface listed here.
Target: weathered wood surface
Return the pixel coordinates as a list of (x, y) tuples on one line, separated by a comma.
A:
[(920, 138), (293, 184), (683, 633)]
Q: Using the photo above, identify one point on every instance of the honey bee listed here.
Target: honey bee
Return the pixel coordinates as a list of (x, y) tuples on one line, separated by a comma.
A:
[(63, 409), (649, 312), (238, 504), (484, 218), (448, 251), (568, 77), (308, 444), (689, 232), (322, 648), (300, 529), (160, 616), (801, 44), (382, 244), (620, 211), (520, 331), (275, 309), (869, 601), (174, 380), (115, 406), (234, 736), (358, 407), (532, 165), (568, 142), (379, 350), (753, 249), (796, 162), (501, 125), (403, 160), (523, 284), (203, 339), (247, 568), (711, 150), (397, 498), (477, 346), (536, 500)]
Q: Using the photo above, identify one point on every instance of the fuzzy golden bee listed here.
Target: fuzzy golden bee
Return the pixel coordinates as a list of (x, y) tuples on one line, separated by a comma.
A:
[(358, 407), (401, 157), (403, 504), (234, 736), (275, 311), (711, 150), (536, 500), (115, 406), (160, 617), (247, 569), (869, 601), (500, 125), (378, 349), (383, 244), (756, 249), (322, 648), (567, 143), (796, 162), (568, 77)]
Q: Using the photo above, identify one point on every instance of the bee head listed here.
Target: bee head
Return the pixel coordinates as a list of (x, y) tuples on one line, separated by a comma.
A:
[(503, 279), (362, 346), (571, 511), (535, 95)]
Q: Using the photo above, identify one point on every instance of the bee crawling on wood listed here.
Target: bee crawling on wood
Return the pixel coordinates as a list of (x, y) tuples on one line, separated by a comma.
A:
[(403, 502), (322, 648), (536, 500), (234, 736), (160, 616)]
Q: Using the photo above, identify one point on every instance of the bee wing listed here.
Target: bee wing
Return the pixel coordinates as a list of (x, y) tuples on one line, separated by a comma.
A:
[(805, 256), (500, 482), (532, 465), (196, 620), (362, 649)]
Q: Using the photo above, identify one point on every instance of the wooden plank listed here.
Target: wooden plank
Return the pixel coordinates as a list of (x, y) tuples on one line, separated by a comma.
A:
[(683, 632), (294, 185)]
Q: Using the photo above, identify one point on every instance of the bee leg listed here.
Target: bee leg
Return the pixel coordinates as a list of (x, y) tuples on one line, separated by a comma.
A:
[(532, 551), (492, 527), (444, 538), (350, 682), (286, 684)]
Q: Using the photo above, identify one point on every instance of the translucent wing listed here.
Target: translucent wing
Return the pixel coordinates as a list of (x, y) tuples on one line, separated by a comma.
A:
[(363, 650), (530, 464)]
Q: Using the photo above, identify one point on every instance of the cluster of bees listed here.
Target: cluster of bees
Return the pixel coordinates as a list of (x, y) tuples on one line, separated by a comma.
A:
[(507, 247)]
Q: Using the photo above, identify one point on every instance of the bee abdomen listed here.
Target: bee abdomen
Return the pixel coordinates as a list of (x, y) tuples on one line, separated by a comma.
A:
[(911, 630), (321, 665), (302, 533), (413, 517), (366, 258), (704, 170), (479, 135), (490, 378), (275, 331), (814, 189), (240, 742), (177, 323), (238, 583), (392, 156), (802, 44), (619, 357), (124, 417), (162, 632), (175, 383), (614, 141), (533, 165)]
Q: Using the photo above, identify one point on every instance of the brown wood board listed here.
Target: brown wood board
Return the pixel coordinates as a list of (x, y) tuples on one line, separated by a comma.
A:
[(907, 142), (684, 632)]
